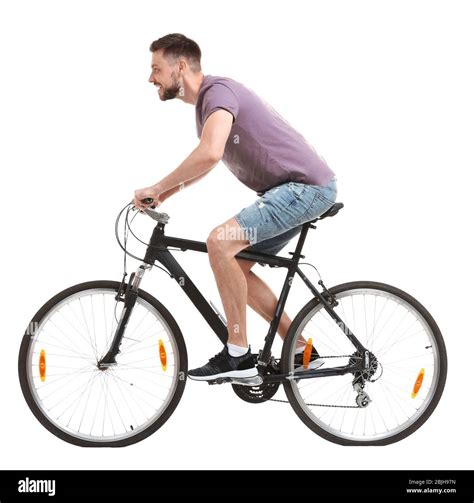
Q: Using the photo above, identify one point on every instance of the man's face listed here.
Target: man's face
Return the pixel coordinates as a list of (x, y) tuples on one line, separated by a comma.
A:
[(163, 75)]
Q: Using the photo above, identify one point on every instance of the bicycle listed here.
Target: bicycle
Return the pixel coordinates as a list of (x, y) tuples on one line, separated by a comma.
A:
[(93, 379)]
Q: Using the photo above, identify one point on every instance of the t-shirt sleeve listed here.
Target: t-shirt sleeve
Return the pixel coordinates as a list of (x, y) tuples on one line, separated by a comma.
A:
[(219, 96)]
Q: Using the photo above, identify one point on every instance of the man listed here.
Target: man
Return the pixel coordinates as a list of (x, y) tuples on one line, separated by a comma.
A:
[(265, 153)]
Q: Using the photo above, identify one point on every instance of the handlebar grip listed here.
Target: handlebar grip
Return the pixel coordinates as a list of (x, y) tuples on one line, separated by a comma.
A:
[(147, 200)]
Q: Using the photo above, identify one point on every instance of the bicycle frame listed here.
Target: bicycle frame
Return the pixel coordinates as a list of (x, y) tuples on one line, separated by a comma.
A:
[(157, 251)]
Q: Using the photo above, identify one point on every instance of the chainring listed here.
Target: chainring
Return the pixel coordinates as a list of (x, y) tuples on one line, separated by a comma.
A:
[(260, 393)]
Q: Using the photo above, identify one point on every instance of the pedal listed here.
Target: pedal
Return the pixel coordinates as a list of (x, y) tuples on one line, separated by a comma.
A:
[(243, 381), (248, 381), (220, 380)]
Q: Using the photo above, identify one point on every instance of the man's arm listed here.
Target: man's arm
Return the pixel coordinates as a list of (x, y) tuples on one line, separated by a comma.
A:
[(202, 159), (164, 195)]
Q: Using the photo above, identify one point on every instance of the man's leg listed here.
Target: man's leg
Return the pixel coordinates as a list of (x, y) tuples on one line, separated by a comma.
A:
[(235, 361), (262, 299), (238, 285), (223, 243)]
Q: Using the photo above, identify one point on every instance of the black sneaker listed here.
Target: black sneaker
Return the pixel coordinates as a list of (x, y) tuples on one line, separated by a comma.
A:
[(223, 365), (314, 361)]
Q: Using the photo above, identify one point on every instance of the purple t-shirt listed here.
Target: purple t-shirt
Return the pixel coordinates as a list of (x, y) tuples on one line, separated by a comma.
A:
[(262, 150)]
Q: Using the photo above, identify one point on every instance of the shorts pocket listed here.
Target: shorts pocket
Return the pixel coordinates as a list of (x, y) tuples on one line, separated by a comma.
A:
[(297, 189)]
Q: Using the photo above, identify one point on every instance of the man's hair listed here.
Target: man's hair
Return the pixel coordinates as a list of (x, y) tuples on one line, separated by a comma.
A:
[(176, 45)]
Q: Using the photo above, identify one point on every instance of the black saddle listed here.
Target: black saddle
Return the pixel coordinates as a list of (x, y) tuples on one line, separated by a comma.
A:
[(333, 210)]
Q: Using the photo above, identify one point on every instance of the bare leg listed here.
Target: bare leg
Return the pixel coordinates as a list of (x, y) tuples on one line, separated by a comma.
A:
[(263, 301), (223, 244), (238, 285)]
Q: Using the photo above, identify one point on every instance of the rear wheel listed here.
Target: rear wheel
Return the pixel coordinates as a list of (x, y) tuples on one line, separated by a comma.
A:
[(87, 406), (401, 389)]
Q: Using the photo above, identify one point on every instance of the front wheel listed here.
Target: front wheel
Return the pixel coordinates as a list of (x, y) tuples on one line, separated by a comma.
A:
[(402, 387), (92, 407)]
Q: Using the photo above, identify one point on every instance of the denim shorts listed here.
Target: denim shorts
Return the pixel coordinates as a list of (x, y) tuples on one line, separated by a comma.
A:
[(278, 216)]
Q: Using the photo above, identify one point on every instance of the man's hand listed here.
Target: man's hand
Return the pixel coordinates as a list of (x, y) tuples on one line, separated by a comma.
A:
[(152, 192)]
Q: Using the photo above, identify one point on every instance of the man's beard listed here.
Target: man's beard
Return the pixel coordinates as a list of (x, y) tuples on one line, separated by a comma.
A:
[(173, 91)]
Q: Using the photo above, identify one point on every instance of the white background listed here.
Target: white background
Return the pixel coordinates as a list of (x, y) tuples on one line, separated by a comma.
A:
[(383, 90)]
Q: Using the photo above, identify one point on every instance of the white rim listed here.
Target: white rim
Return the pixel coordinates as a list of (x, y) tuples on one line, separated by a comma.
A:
[(402, 341), (85, 402)]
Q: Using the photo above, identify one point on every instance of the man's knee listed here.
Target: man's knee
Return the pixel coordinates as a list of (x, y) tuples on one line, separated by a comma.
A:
[(217, 246), (225, 241)]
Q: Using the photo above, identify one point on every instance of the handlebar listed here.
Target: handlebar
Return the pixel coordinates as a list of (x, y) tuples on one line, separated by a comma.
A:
[(159, 217), (147, 200)]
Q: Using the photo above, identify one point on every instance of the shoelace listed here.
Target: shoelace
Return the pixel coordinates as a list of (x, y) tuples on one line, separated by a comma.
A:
[(217, 358)]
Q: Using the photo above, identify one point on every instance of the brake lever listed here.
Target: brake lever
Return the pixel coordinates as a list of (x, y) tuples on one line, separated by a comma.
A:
[(159, 217), (148, 200)]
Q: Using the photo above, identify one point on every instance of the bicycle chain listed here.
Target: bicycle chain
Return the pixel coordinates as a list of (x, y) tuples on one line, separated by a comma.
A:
[(322, 404)]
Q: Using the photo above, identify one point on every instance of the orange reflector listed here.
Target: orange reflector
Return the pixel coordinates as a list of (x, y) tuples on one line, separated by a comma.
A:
[(162, 349), (418, 383), (307, 353), (42, 365)]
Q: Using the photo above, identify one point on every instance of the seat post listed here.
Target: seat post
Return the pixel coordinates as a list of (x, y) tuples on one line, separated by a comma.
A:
[(299, 246)]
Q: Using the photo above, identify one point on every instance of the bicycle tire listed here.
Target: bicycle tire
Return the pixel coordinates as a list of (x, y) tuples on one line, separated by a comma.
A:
[(286, 363), (25, 383)]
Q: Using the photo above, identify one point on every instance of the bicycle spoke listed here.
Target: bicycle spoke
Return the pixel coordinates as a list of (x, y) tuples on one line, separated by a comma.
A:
[(71, 341), (388, 348), (126, 366), (87, 401), (154, 334), (107, 342), (365, 318), (122, 353), (93, 326), (97, 407), (132, 335), (81, 355), (422, 355), (139, 361), (49, 383), (132, 395), (331, 324), (375, 336), (139, 376), (87, 327), (395, 333), (88, 385), (125, 401), (61, 400), (60, 314), (371, 336), (93, 404), (140, 388), (324, 342)]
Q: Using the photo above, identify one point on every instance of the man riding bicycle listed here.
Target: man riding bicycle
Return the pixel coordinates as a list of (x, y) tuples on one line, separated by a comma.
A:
[(265, 153)]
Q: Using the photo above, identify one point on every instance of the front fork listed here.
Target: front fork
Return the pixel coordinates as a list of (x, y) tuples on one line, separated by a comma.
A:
[(129, 298)]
